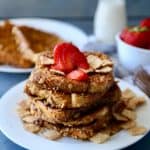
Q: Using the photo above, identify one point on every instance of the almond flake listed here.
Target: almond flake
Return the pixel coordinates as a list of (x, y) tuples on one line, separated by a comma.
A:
[(104, 70), (46, 60), (128, 125), (50, 134), (107, 62), (129, 114), (87, 70), (119, 117), (31, 127), (100, 138), (94, 61), (57, 72), (29, 119), (137, 131)]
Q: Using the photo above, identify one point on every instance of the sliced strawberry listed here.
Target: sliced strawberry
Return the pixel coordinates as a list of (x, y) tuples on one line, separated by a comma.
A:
[(145, 23), (77, 75), (62, 59), (67, 57), (81, 61)]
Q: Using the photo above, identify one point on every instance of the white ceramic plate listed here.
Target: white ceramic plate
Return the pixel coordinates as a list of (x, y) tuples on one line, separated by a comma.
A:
[(67, 31), (11, 126)]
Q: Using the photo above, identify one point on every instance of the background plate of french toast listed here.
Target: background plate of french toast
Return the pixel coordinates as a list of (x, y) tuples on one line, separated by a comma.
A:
[(21, 40)]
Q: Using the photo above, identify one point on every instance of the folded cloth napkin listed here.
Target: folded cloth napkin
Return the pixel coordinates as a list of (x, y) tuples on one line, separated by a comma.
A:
[(94, 45)]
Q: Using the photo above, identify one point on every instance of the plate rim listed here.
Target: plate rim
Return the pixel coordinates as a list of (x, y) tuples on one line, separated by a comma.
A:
[(70, 144)]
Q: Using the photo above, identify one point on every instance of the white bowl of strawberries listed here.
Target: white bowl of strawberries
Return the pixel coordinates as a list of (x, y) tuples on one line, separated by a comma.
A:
[(133, 45)]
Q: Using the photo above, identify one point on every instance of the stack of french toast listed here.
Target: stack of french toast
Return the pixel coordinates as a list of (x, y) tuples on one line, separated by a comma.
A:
[(20, 44), (74, 94)]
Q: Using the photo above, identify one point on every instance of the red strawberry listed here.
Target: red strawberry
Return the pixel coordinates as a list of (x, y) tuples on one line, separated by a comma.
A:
[(77, 75), (124, 33), (67, 57), (137, 36), (145, 23)]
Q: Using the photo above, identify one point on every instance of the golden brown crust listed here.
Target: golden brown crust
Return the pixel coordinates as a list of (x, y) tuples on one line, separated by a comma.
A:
[(80, 132), (79, 115), (8, 49), (63, 117), (96, 82), (74, 100)]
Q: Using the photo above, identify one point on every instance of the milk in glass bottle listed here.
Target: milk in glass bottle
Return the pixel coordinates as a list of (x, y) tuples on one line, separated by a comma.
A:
[(110, 18)]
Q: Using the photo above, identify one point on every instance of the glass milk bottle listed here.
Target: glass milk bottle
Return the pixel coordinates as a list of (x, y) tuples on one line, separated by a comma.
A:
[(110, 18)]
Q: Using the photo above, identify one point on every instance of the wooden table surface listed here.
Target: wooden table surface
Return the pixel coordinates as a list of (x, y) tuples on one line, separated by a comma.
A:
[(8, 80)]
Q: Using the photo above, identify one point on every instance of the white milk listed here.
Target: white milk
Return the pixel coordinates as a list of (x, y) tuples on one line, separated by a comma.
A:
[(110, 18)]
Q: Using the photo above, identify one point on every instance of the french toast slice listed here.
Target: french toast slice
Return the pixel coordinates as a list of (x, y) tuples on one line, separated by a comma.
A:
[(63, 100), (100, 78), (96, 83), (32, 41), (83, 132), (11, 53)]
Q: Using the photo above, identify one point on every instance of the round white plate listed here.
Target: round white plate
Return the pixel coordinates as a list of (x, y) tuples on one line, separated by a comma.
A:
[(11, 126), (67, 31)]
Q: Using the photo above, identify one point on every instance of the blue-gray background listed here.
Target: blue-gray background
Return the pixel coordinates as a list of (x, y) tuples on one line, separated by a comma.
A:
[(77, 12)]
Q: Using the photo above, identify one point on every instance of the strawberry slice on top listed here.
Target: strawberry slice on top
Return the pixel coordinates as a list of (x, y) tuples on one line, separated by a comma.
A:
[(67, 57), (78, 75)]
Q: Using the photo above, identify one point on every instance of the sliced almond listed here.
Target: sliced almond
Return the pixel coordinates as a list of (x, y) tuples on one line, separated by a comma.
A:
[(46, 60), (100, 138), (57, 72), (94, 61), (23, 113), (32, 127), (87, 70), (107, 62), (131, 115), (128, 125), (104, 70), (50, 134), (137, 131), (119, 117), (140, 101), (128, 94), (29, 119), (135, 102)]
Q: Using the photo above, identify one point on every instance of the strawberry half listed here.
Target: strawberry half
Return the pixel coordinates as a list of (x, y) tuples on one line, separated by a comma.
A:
[(67, 57), (137, 36), (78, 75), (145, 23)]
